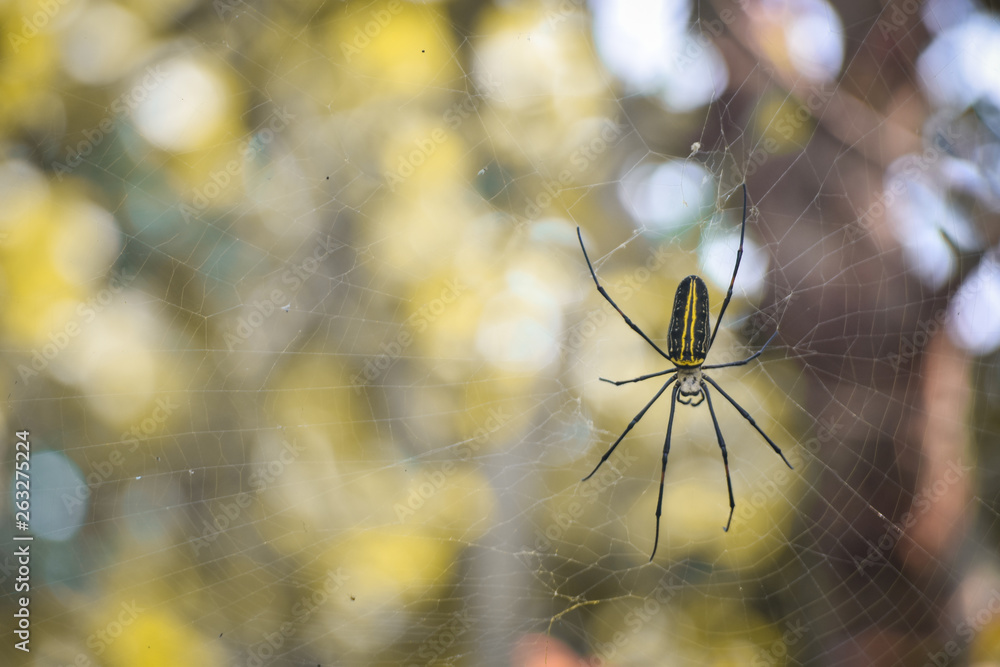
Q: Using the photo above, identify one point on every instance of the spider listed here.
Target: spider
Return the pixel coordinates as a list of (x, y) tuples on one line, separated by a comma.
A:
[(689, 340)]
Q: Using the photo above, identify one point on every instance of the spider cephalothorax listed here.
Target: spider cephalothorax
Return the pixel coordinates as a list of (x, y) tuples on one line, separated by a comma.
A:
[(689, 386)]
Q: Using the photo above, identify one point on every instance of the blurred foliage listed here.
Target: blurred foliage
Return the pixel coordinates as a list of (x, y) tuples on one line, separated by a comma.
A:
[(295, 289)]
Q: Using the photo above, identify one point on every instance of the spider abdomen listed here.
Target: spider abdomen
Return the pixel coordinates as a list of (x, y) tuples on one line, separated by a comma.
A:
[(687, 339)]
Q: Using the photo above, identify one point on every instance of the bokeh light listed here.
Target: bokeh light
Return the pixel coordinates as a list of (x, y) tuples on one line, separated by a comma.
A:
[(298, 324)]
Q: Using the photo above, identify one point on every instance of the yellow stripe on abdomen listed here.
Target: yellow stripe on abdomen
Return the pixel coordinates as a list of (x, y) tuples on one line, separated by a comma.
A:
[(688, 337)]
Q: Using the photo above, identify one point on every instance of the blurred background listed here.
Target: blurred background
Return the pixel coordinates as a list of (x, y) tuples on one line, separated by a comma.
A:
[(299, 327)]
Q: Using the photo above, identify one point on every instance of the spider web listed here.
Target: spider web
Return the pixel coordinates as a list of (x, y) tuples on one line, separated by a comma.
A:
[(299, 324)]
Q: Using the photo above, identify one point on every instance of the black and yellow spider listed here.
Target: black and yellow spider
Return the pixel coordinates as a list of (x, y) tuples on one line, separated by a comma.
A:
[(689, 340)]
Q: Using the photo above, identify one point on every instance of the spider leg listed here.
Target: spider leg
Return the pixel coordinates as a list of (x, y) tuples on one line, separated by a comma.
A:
[(619, 383), (746, 415), (628, 428), (615, 305), (739, 256), (745, 361), (663, 469), (725, 454)]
